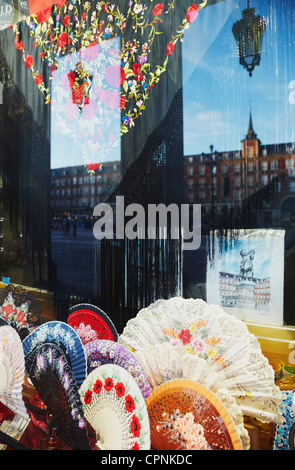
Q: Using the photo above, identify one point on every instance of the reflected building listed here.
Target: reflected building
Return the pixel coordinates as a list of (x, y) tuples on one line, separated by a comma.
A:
[(253, 185)]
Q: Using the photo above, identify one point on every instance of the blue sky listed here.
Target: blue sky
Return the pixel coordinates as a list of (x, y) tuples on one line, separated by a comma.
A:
[(218, 91)]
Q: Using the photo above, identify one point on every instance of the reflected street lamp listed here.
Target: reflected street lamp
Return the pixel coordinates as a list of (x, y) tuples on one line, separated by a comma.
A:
[(248, 33)]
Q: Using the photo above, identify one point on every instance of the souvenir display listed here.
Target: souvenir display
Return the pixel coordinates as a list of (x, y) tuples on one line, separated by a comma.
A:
[(110, 352), (64, 336), (115, 408), (207, 332), (19, 309), (91, 323), (12, 371), (185, 415), (51, 374)]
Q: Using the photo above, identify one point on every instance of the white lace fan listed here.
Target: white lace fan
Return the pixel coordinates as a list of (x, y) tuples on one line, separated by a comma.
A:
[(12, 371), (232, 354), (115, 408)]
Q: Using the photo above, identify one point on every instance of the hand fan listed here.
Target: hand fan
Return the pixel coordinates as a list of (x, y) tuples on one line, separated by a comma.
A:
[(12, 371), (66, 338), (20, 309), (223, 341), (109, 352), (91, 323), (115, 408), (52, 376), (185, 415)]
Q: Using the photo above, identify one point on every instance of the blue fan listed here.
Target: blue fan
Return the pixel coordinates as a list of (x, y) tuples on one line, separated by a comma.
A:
[(51, 375), (66, 338)]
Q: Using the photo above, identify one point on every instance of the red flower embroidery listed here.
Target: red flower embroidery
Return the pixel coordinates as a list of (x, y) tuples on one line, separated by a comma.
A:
[(29, 61), (108, 385), (185, 336), (192, 13), (129, 403), (122, 102), (120, 389), (136, 68), (135, 446), (62, 40), (170, 48), (135, 426), (88, 397), (97, 387), (38, 79), (43, 15), (61, 3), (66, 21), (157, 10)]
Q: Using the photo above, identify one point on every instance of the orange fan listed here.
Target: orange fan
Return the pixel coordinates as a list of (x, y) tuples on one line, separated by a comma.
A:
[(185, 415)]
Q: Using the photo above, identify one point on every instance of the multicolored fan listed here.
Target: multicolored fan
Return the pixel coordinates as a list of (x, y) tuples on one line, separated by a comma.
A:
[(63, 335), (100, 352), (12, 371), (51, 374), (115, 408), (91, 323), (19, 308), (224, 342), (185, 415)]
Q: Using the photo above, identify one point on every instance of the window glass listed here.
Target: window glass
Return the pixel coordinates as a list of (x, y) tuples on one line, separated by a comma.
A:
[(102, 119)]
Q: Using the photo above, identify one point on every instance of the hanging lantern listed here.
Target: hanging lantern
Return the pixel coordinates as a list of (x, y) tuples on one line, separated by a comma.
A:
[(248, 33)]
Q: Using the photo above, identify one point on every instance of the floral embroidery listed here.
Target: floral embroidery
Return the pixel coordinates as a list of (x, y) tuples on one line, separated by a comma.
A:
[(62, 29), (88, 397), (120, 389), (135, 426)]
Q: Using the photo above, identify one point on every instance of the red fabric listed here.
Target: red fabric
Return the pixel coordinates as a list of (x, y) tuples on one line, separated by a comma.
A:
[(39, 5)]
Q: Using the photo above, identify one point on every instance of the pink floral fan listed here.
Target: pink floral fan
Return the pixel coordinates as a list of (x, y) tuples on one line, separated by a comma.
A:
[(221, 342), (114, 407), (12, 371)]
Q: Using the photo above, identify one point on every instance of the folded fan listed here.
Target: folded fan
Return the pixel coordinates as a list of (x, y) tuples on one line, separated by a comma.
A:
[(224, 342)]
